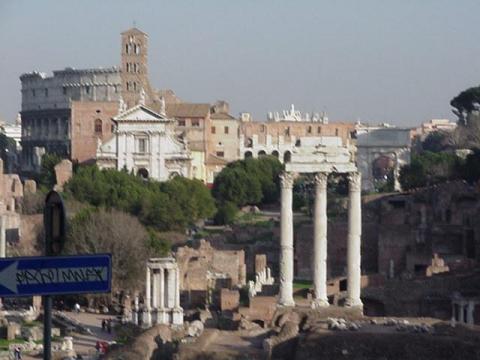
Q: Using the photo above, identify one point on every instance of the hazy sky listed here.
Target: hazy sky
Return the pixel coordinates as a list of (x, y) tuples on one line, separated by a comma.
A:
[(374, 60)]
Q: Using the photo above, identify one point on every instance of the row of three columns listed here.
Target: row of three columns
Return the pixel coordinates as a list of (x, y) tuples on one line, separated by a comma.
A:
[(319, 265), (157, 279)]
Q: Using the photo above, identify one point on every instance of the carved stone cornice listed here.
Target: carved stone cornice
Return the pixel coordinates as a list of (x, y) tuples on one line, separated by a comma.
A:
[(354, 181), (286, 180)]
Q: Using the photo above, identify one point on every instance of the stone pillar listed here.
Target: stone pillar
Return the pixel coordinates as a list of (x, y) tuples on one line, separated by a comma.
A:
[(147, 316), (461, 312), (354, 240), (177, 288), (286, 241), (155, 289), (3, 235), (170, 288), (162, 288), (470, 310), (148, 288), (320, 242)]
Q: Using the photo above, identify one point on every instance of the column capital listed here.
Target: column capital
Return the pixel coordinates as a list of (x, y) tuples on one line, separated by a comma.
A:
[(321, 180), (354, 181), (286, 180)]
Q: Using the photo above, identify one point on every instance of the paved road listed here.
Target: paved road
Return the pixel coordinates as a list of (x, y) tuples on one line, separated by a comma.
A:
[(85, 344)]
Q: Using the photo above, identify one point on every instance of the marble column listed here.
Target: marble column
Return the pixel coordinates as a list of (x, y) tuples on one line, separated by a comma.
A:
[(162, 288), (170, 288), (286, 241), (470, 311), (320, 242), (177, 288), (461, 312), (155, 289), (354, 240), (148, 288), (147, 320)]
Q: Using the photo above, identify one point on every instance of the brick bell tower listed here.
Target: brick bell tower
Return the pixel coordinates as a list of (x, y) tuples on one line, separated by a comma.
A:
[(134, 71)]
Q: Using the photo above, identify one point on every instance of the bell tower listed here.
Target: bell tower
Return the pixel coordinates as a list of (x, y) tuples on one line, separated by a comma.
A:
[(134, 71)]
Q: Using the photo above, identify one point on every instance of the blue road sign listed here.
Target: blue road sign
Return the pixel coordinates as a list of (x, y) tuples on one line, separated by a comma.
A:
[(27, 276)]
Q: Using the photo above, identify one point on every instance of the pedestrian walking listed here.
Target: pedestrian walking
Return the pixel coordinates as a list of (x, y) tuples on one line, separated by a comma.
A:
[(18, 353), (104, 324), (109, 326)]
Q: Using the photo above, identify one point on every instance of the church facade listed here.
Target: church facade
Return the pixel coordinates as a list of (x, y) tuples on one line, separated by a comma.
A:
[(144, 143)]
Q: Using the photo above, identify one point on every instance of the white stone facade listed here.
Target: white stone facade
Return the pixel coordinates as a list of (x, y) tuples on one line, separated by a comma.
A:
[(144, 142)]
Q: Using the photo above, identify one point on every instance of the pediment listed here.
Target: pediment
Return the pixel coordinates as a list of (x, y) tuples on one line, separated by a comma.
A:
[(141, 113)]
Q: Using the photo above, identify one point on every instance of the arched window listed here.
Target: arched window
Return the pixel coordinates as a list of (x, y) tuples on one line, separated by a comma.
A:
[(137, 49), (248, 154), (287, 157), (143, 173), (262, 153), (275, 153), (98, 126)]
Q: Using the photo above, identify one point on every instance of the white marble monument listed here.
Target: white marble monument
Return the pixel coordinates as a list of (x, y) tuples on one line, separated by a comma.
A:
[(162, 293), (321, 158)]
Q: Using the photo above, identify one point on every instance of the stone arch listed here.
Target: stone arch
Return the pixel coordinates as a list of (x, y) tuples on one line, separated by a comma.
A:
[(287, 156), (262, 153), (248, 154), (275, 153), (173, 174), (143, 173)]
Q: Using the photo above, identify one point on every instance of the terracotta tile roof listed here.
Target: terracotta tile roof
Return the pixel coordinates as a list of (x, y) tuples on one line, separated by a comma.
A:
[(221, 116), (187, 110)]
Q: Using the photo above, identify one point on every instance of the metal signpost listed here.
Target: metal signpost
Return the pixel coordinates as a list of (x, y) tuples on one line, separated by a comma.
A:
[(53, 274)]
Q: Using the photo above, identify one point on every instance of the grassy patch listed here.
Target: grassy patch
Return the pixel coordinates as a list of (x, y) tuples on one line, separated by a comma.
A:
[(4, 343), (302, 284)]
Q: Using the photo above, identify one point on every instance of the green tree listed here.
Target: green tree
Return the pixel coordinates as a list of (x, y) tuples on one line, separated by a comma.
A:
[(471, 169), (465, 102), (249, 181), (7, 147), (47, 172), (226, 213), (430, 168), (110, 231), (435, 141), (172, 205)]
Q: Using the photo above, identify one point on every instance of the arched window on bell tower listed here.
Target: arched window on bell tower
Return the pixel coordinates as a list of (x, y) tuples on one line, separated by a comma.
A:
[(98, 126)]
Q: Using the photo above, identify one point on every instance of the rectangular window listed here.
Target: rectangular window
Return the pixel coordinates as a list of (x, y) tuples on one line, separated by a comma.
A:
[(213, 130), (319, 130), (142, 146), (336, 132), (226, 130), (46, 92), (181, 122), (87, 89), (195, 122), (64, 90), (220, 154), (309, 130)]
